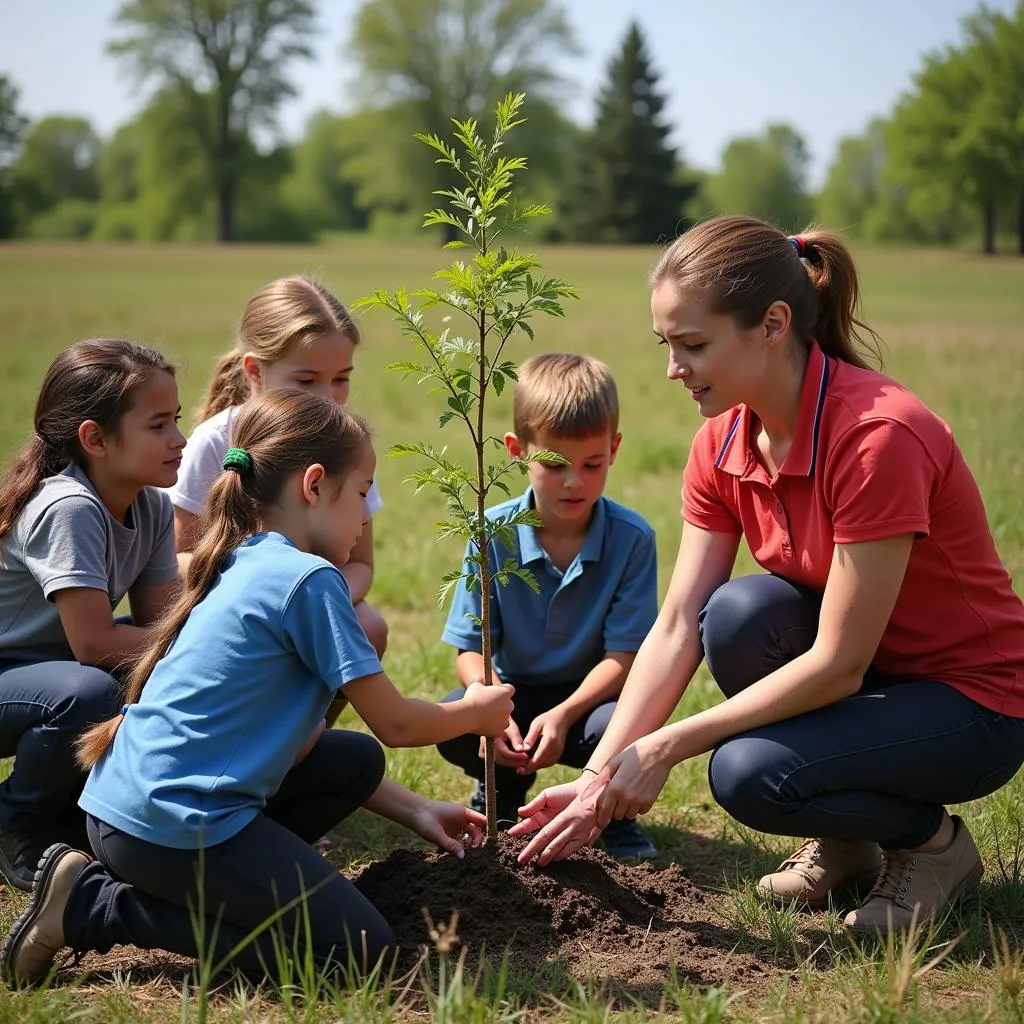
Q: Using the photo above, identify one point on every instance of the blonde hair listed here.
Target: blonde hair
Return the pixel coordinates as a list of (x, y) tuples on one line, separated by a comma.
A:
[(283, 431), (564, 395), (286, 311), (740, 266)]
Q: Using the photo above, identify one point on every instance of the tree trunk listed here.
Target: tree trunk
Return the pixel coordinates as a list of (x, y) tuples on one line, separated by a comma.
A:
[(225, 211), (1020, 222), (988, 227)]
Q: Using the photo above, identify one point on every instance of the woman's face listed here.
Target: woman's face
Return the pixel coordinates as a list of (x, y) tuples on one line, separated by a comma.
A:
[(719, 363)]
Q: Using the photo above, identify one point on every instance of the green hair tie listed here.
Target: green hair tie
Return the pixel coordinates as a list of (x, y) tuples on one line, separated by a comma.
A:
[(239, 460)]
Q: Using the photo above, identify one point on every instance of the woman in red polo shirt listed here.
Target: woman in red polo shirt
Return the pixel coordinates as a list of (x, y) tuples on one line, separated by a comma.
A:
[(875, 672)]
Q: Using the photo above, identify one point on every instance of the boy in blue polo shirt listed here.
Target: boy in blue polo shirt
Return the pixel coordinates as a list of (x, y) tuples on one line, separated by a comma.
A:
[(568, 648)]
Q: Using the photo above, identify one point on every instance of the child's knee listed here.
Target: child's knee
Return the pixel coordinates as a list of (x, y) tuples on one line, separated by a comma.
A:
[(92, 696)]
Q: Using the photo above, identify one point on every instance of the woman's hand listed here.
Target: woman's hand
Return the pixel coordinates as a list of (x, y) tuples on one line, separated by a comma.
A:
[(452, 827), (636, 778), (564, 818)]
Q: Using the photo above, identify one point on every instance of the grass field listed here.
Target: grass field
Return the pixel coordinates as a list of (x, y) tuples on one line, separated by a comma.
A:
[(954, 330)]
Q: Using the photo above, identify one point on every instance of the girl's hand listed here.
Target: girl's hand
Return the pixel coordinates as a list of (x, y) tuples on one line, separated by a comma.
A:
[(492, 707), (564, 818), (452, 827), (636, 778)]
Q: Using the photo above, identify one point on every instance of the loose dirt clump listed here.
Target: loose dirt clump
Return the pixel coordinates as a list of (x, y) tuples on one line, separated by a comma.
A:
[(588, 916)]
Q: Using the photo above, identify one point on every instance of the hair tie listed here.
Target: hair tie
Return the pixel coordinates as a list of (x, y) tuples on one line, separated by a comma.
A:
[(800, 244), (124, 710), (239, 460)]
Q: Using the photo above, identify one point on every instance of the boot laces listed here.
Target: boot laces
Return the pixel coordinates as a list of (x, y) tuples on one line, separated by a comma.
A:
[(804, 857), (894, 878)]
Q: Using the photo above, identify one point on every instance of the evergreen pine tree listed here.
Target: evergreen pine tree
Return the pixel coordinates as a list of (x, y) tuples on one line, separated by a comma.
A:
[(628, 187)]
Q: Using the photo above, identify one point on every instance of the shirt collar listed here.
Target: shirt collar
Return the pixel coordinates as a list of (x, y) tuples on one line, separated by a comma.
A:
[(803, 451), (735, 457), (530, 548)]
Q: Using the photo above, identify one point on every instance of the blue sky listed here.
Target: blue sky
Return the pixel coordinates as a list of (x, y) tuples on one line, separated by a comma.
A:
[(728, 67)]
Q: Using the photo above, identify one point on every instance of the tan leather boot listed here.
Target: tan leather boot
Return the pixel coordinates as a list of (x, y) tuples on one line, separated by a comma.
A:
[(821, 867), (927, 882)]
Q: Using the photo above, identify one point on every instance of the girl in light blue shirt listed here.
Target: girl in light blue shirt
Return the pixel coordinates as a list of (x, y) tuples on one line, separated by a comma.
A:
[(219, 767)]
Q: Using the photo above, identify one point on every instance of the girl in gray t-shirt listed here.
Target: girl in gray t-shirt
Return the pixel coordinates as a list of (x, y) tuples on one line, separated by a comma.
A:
[(82, 525)]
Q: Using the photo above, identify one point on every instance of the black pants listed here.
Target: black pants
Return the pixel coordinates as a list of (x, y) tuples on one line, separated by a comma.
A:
[(148, 896), (879, 765), (530, 701), (44, 707)]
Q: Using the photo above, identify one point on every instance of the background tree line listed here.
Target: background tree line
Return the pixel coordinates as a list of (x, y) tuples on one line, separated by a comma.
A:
[(947, 163)]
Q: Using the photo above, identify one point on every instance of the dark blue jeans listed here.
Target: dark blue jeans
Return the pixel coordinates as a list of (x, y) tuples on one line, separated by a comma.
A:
[(147, 895), (878, 766), (44, 707), (530, 701)]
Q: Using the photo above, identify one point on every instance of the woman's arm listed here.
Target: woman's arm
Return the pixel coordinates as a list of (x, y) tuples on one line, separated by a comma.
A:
[(566, 816), (863, 584), (672, 651)]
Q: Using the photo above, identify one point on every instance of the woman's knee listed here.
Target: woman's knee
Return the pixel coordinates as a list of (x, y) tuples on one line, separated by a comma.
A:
[(752, 625), (743, 780)]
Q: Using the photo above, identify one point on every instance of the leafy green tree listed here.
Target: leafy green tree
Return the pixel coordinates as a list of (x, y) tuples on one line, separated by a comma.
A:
[(226, 61), (417, 60), (316, 188), (57, 163), (12, 128), (764, 176), (996, 43), (856, 181), (493, 296), (958, 135), (628, 187)]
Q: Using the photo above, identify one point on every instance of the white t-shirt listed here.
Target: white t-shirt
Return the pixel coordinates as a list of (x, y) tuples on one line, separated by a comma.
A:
[(202, 462)]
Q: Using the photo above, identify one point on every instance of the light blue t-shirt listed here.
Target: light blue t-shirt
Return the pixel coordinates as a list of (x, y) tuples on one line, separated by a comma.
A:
[(607, 599), (226, 710)]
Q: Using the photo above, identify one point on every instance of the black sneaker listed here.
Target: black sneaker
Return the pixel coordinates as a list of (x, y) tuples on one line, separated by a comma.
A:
[(507, 809), (19, 855), (625, 840)]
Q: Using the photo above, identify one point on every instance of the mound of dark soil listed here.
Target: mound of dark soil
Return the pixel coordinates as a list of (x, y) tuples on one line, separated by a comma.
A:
[(588, 915)]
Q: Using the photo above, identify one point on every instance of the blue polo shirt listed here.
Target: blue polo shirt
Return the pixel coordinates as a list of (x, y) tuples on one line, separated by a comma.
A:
[(227, 708), (607, 599)]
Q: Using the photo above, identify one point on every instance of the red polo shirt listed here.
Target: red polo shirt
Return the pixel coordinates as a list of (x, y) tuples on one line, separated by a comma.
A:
[(869, 461)]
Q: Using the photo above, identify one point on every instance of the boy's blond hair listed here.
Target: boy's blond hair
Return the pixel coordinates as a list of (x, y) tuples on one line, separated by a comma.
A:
[(561, 394)]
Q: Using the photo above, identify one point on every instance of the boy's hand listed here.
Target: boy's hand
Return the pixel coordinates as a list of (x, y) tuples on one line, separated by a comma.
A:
[(492, 706), (546, 738), (452, 827), (508, 747)]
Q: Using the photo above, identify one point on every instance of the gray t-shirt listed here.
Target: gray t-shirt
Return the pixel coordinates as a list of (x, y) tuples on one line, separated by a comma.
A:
[(65, 538)]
